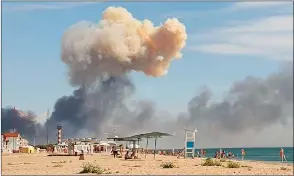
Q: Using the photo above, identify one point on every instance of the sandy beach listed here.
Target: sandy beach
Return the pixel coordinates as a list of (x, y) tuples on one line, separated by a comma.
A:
[(61, 165)]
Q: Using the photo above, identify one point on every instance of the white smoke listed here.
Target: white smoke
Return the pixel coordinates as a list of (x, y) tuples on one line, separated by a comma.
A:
[(120, 43)]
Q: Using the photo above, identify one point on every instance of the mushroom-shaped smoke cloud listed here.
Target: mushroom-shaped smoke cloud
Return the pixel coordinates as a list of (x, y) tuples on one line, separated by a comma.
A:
[(120, 43)]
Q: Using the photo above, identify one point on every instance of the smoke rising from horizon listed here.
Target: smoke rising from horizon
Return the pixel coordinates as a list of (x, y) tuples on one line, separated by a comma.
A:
[(99, 57), (253, 108), (12, 119)]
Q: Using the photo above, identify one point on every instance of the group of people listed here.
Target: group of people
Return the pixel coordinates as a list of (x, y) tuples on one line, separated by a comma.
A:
[(202, 153), (127, 155), (223, 154)]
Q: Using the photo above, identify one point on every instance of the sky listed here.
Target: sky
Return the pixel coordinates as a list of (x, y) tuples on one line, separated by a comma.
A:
[(227, 41)]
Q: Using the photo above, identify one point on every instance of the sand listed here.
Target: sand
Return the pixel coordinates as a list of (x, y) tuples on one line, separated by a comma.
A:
[(38, 164)]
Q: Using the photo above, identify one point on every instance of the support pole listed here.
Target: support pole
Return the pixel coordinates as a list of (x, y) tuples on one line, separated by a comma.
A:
[(134, 147), (154, 147), (185, 148), (47, 133), (146, 148), (137, 150), (194, 134)]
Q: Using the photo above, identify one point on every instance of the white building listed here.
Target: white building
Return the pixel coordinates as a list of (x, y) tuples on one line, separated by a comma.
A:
[(23, 142), (12, 141)]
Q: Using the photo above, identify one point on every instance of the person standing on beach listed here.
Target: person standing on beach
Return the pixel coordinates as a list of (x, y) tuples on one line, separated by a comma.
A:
[(204, 152), (282, 155), (242, 153), (216, 154)]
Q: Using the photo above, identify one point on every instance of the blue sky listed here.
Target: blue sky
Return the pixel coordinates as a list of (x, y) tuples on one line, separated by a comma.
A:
[(226, 42)]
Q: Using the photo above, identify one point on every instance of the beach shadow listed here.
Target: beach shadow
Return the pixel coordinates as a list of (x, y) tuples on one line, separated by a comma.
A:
[(29, 163), (131, 160)]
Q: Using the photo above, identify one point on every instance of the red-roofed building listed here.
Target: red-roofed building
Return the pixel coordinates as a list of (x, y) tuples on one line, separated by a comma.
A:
[(11, 141), (14, 134)]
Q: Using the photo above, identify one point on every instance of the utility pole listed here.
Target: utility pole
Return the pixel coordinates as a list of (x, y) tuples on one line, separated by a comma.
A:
[(47, 137)]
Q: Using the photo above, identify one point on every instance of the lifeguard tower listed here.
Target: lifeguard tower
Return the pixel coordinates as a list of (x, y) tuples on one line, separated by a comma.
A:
[(190, 142)]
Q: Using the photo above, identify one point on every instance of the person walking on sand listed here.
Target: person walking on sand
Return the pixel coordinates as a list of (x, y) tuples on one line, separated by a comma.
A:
[(282, 155), (243, 153)]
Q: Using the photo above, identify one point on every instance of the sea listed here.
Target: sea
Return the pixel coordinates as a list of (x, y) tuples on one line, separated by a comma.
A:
[(269, 154)]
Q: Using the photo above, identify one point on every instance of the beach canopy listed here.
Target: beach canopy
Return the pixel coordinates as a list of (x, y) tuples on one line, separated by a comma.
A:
[(150, 135), (123, 139), (154, 135), (139, 137)]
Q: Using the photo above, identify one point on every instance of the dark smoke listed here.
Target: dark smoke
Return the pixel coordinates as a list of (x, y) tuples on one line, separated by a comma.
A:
[(89, 107), (24, 124), (251, 105)]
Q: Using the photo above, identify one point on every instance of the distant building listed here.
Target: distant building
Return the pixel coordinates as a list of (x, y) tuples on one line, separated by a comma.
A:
[(12, 141), (27, 149), (23, 142)]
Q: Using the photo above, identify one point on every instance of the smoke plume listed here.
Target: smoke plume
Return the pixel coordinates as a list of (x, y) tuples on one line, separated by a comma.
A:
[(252, 109), (119, 43), (252, 103), (99, 56), (23, 123)]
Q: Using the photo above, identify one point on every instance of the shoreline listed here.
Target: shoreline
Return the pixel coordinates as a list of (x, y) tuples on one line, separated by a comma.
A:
[(40, 164), (250, 156), (268, 162)]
